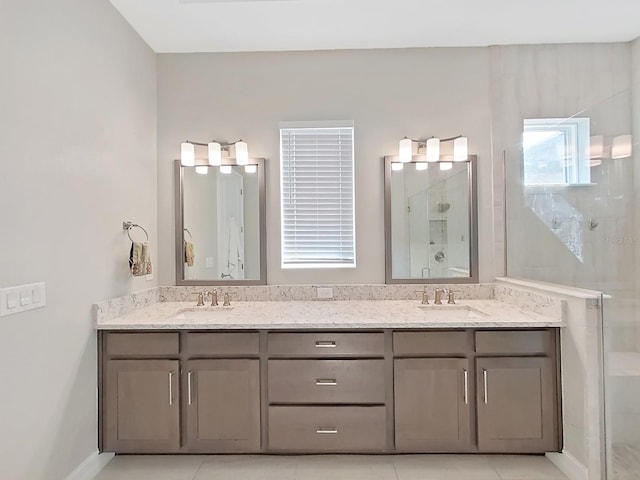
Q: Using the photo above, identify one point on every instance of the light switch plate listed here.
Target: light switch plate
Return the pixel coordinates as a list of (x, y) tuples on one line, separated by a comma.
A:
[(22, 298)]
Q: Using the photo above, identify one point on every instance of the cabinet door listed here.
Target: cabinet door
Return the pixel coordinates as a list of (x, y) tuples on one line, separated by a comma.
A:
[(223, 405), (432, 404), (516, 405), (142, 411)]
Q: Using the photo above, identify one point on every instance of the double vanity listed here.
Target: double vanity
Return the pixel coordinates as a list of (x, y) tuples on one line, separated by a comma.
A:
[(374, 376)]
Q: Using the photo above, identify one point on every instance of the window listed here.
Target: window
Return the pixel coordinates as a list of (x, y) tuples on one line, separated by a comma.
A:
[(317, 195), (556, 151)]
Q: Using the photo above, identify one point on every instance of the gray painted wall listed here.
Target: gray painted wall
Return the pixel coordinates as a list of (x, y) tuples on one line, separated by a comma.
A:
[(77, 157), (388, 94)]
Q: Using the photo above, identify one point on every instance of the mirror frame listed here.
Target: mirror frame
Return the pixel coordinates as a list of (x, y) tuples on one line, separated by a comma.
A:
[(473, 223), (179, 227)]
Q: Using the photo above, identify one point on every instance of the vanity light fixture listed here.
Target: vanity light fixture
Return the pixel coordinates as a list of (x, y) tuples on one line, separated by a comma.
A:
[(226, 169), (188, 152), (446, 165), (250, 168), (432, 147), (622, 147), (202, 169), (421, 166), (397, 166)]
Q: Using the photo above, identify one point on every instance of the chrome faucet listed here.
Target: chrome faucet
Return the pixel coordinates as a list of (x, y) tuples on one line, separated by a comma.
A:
[(438, 296), (214, 296), (425, 296), (200, 300), (227, 299), (451, 300)]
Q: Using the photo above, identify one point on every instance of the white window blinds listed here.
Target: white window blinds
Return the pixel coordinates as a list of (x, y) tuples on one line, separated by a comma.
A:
[(316, 174)]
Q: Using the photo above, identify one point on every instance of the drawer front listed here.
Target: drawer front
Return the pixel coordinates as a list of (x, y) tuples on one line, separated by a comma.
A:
[(142, 344), (326, 381), (529, 342), (327, 429), (431, 343), (214, 343), (326, 344)]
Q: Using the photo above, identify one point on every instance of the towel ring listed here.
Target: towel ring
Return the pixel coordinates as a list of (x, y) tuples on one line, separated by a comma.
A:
[(129, 225), (187, 231)]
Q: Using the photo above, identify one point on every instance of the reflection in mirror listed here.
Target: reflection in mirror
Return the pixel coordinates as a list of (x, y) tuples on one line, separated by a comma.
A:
[(430, 221), (220, 224)]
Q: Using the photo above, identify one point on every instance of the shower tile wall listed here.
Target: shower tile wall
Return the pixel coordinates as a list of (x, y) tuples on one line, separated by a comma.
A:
[(551, 81)]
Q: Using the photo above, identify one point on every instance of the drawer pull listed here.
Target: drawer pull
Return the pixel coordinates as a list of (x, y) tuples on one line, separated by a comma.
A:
[(326, 382), (327, 431), (189, 387), (326, 344)]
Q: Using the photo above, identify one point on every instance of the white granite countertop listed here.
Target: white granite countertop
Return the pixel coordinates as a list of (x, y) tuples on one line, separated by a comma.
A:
[(366, 314)]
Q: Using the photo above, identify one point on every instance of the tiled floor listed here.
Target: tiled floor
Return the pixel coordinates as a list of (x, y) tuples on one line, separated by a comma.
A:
[(331, 467), (625, 462)]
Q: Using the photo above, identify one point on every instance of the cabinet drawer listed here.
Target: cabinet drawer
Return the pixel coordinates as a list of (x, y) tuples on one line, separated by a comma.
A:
[(430, 343), (515, 342), (326, 381), (215, 343), (142, 344), (327, 429), (326, 344)]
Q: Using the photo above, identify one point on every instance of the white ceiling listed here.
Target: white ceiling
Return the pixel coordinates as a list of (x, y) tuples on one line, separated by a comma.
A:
[(272, 25)]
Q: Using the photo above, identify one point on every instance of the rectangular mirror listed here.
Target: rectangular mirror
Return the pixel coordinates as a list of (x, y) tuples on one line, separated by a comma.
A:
[(220, 224), (431, 232)]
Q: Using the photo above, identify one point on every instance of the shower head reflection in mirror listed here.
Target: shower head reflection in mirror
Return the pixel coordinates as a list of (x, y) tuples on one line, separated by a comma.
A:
[(430, 222)]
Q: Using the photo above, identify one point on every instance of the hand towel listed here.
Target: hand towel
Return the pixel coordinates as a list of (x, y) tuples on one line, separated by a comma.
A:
[(189, 254), (140, 259)]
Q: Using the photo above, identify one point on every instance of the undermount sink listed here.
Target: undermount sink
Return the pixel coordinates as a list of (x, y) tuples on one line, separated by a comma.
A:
[(201, 313), (454, 311)]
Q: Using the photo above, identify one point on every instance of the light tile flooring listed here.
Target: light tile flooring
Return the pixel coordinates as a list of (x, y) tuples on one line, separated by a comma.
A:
[(625, 462), (330, 467)]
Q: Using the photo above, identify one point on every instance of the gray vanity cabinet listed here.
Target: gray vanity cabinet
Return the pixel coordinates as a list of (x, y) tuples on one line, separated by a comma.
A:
[(516, 405), (222, 405), (432, 412), (380, 391), (517, 397), (142, 406)]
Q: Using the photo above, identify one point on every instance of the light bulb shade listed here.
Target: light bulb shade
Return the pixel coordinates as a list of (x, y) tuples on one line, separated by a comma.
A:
[(396, 167), (215, 154), (226, 169), (250, 168), (622, 146), (446, 165), (433, 149), (596, 147), (202, 170), (422, 165), (242, 153), (405, 150), (460, 149), (187, 154)]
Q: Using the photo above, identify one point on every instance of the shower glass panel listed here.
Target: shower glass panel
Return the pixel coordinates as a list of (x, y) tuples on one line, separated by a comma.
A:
[(586, 233)]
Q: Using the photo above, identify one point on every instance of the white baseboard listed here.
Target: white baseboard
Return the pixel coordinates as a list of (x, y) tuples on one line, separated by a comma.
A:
[(569, 465), (91, 466)]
